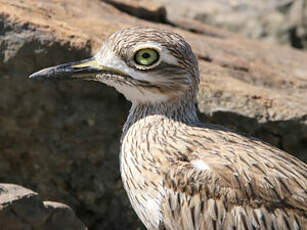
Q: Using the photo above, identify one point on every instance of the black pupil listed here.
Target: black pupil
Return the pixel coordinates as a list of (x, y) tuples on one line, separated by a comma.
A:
[(145, 55)]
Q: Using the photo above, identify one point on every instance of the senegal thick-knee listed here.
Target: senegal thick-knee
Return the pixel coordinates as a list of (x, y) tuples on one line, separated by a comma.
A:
[(180, 174)]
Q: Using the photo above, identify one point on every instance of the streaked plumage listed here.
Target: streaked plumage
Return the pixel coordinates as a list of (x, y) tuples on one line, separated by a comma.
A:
[(180, 174)]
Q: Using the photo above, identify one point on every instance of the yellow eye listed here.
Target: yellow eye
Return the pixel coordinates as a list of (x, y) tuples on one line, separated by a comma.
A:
[(146, 57)]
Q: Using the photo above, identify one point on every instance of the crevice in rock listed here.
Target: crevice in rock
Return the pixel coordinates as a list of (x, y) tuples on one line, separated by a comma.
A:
[(158, 16), (295, 40), (234, 67), (205, 58), (195, 29)]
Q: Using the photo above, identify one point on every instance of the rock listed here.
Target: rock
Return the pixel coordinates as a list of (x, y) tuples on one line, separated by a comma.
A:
[(21, 208), (61, 216), (141, 8), (62, 138), (275, 21), (297, 24)]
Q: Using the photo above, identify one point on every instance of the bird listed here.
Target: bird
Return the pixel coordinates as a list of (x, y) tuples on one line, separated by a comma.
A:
[(179, 173)]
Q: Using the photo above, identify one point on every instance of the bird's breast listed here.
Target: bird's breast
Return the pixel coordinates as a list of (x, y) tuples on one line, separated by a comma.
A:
[(142, 178)]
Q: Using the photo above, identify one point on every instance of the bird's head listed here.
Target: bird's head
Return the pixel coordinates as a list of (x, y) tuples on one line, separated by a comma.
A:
[(146, 65)]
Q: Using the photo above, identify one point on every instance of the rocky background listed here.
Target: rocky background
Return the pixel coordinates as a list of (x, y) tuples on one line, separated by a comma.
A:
[(61, 139)]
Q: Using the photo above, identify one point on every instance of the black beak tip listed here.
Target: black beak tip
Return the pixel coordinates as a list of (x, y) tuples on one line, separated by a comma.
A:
[(44, 73), (71, 70), (33, 75)]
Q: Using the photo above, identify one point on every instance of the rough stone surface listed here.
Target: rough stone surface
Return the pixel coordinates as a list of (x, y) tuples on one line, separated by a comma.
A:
[(147, 10), (22, 209), (62, 138), (275, 21)]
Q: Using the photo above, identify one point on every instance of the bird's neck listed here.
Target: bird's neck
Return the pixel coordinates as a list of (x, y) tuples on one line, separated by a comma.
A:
[(181, 111)]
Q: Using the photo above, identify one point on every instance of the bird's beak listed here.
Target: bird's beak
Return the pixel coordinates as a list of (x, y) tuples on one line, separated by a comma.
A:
[(87, 69)]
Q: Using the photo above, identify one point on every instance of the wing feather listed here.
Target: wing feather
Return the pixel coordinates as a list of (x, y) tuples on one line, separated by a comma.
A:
[(247, 185)]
